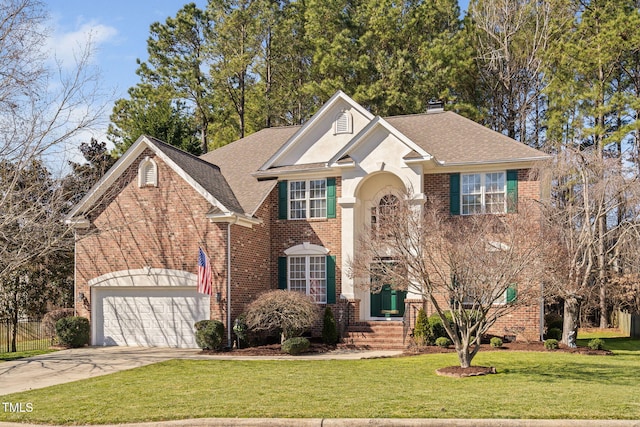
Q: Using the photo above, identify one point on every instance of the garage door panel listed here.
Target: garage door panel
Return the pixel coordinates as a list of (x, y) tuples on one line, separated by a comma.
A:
[(162, 317)]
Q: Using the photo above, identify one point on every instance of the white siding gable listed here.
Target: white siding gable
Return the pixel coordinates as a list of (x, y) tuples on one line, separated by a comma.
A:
[(320, 141)]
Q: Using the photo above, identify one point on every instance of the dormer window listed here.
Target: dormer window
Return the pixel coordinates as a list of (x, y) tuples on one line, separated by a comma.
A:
[(148, 173), (343, 123)]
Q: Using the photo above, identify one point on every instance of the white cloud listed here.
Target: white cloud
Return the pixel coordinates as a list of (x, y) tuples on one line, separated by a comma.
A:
[(68, 47)]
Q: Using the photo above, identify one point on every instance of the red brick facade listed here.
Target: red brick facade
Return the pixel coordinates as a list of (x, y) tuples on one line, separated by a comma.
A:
[(163, 226), (157, 227)]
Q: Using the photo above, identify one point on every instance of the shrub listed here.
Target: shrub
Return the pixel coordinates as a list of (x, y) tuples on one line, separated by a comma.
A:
[(240, 329), (51, 318), (495, 342), (287, 313), (596, 344), (422, 333), (295, 345), (209, 334), (329, 328), (73, 331), (551, 344), (443, 342), (555, 334), (437, 329), (553, 320)]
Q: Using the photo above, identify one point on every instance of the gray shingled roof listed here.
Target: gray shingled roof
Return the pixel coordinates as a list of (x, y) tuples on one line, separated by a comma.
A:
[(241, 158), (206, 174), (447, 136), (451, 138)]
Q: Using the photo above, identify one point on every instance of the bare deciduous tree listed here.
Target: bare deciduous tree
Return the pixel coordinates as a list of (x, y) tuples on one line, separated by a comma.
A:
[(587, 191), (42, 108), (468, 266)]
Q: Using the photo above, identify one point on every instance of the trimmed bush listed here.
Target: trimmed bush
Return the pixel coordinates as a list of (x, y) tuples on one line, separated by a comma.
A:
[(51, 318), (554, 334), (209, 334), (329, 328), (73, 331), (443, 342), (596, 344), (422, 333), (495, 342), (283, 312), (551, 344), (296, 345)]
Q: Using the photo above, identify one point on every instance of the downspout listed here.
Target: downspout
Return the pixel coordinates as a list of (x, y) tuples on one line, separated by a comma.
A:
[(229, 282), (75, 273), (541, 311)]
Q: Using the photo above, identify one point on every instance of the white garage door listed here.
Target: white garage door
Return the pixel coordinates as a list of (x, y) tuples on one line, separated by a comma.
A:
[(148, 317)]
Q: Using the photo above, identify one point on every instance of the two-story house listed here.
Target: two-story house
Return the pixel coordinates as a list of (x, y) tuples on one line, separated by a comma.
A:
[(280, 208)]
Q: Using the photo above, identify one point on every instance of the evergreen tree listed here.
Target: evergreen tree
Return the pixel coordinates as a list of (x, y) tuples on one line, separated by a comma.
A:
[(175, 74)]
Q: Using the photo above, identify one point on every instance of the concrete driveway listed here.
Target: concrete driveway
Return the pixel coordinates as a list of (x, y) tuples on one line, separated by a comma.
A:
[(80, 363)]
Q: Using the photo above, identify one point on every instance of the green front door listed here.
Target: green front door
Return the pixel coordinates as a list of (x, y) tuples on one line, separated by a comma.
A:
[(388, 302)]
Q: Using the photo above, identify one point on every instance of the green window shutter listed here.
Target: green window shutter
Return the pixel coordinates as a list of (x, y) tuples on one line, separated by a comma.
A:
[(282, 272), (331, 197), (282, 199), (454, 193), (512, 292), (331, 279), (512, 191)]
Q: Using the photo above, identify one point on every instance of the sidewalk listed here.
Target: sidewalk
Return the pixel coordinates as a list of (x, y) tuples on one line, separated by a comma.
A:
[(364, 422)]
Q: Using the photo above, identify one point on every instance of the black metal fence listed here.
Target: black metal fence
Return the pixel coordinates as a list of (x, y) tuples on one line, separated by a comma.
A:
[(29, 335)]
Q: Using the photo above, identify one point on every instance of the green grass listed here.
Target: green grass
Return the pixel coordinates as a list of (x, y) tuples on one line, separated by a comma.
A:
[(528, 385), (22, 354)]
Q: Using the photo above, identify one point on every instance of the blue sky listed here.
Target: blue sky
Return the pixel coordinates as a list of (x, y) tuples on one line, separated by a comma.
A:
[(118, 30)]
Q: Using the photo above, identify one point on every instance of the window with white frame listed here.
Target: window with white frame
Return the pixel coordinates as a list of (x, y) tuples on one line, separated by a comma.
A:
[(483, 193), (308, 275), (308, 199)]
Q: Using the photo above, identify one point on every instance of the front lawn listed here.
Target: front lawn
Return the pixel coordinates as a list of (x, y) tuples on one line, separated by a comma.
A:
[(528, 385), (22, 354)]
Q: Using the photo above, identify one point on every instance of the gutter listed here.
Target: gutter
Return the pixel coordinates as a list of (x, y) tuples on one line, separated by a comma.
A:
[(491, 162)]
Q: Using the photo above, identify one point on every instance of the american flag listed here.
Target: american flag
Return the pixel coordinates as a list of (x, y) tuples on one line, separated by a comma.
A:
[(204, 273)]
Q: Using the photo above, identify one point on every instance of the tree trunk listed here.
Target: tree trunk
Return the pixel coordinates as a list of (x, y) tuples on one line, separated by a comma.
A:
[(571, 321), (464, 356)]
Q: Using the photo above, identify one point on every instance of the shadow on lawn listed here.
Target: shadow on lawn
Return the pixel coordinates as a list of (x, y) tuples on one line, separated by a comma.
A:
[(625, 344)]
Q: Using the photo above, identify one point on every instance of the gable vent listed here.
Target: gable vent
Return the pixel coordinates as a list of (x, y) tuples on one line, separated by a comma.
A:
[(148, 173), (343, 123)]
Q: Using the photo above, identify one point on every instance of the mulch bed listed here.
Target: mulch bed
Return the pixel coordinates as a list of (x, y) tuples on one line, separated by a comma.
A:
[(317, 347), (450, 371)]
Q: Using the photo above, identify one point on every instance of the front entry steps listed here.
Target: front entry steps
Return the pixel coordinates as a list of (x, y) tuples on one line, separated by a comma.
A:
[(376, 335)]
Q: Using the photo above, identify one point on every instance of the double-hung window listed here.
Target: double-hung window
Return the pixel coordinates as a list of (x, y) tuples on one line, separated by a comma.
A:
[(308, 275), (308, 199), (483, 193)]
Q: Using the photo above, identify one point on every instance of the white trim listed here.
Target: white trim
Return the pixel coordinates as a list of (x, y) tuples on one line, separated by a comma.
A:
[(367, 130), (343, 123), (339, 95), (306, 248), (145, 277), (307, 198), (483, 192), (121, 166), (143, 179)]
